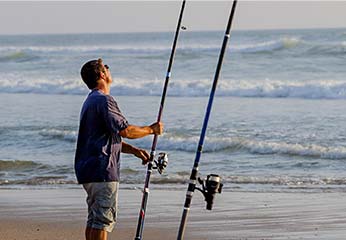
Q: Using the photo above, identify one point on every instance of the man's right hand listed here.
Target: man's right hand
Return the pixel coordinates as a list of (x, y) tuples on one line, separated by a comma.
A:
[(157, 128)]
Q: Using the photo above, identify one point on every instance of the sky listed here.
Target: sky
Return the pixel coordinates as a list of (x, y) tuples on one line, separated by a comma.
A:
[(151, 16)]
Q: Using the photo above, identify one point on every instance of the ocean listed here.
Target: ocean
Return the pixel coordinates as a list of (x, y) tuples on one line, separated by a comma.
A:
[(278, 122)]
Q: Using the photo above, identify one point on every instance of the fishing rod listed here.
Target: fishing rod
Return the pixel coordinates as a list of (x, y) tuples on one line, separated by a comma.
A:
[(212, 184), (162, 160)]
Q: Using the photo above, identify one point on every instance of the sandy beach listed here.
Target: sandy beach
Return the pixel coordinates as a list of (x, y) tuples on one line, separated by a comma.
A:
[(60, 214)]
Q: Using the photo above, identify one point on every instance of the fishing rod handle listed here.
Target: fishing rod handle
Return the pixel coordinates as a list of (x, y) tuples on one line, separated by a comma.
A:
[(141, 217), (140, 224), (182, 224), (189, 193)]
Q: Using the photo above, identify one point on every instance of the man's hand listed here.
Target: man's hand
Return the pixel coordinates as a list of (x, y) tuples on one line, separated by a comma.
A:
[(157, 128), (142, 154)]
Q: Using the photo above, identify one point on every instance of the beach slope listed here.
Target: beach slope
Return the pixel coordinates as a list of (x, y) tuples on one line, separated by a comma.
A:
[(58, 214)]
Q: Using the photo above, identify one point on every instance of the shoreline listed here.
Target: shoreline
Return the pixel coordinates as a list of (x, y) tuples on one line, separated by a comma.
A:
[(60, 214)]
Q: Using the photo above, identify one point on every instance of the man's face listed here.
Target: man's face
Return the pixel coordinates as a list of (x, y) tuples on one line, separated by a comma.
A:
[(107, 73)]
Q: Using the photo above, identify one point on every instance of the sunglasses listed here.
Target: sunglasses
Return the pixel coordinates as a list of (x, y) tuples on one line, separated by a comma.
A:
[(106, 66)]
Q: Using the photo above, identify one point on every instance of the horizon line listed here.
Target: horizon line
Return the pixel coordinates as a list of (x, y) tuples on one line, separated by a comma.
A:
[(148, 32)]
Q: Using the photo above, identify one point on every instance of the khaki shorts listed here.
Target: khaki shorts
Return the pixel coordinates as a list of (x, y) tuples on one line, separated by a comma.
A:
[(102, 204)]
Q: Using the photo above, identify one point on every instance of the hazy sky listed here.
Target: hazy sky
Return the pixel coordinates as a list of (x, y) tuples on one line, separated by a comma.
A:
[(128, 16)]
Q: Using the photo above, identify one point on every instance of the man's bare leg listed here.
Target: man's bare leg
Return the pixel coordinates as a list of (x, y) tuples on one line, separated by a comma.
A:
[(88, 233), (95, 234)]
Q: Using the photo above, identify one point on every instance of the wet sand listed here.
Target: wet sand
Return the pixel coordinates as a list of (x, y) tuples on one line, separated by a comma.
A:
[(60, 214)]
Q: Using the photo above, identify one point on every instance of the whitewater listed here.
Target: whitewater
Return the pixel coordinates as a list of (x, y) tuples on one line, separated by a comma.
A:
[(278, 122)]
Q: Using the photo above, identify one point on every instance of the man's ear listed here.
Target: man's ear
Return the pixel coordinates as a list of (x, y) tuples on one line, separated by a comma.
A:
[(102, 75)]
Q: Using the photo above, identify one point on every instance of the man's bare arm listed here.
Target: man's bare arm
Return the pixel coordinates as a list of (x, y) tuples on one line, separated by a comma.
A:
[(133, 132), (140, 153)]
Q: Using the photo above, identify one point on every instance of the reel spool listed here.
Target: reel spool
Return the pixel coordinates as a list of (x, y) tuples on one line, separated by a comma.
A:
[(161, 162)]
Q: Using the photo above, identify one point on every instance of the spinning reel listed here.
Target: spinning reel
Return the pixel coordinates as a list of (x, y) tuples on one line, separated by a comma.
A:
[(161, 162), (210, 187)]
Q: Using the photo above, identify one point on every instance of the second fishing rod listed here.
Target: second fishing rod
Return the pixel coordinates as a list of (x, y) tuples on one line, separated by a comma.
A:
[(212, 184), (162, 159)]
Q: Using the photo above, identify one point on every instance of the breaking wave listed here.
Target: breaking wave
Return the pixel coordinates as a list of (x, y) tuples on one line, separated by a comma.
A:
[(11, 53), (67, 135), (270, 46), (17, 56), (273, 45), (218, 144), (317, 89), (214, 144)]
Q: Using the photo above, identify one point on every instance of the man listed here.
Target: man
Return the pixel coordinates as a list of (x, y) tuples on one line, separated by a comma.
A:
[(97, 159)]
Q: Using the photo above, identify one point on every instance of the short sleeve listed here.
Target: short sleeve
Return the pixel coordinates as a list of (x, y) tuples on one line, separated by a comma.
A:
[(115, 120)]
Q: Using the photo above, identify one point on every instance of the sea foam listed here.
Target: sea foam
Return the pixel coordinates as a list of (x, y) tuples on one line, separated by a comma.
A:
[(317, 89), (233, 144), (219, 144)]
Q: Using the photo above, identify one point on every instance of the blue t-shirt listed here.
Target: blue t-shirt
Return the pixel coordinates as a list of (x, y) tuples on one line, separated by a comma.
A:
[(98, 150)]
